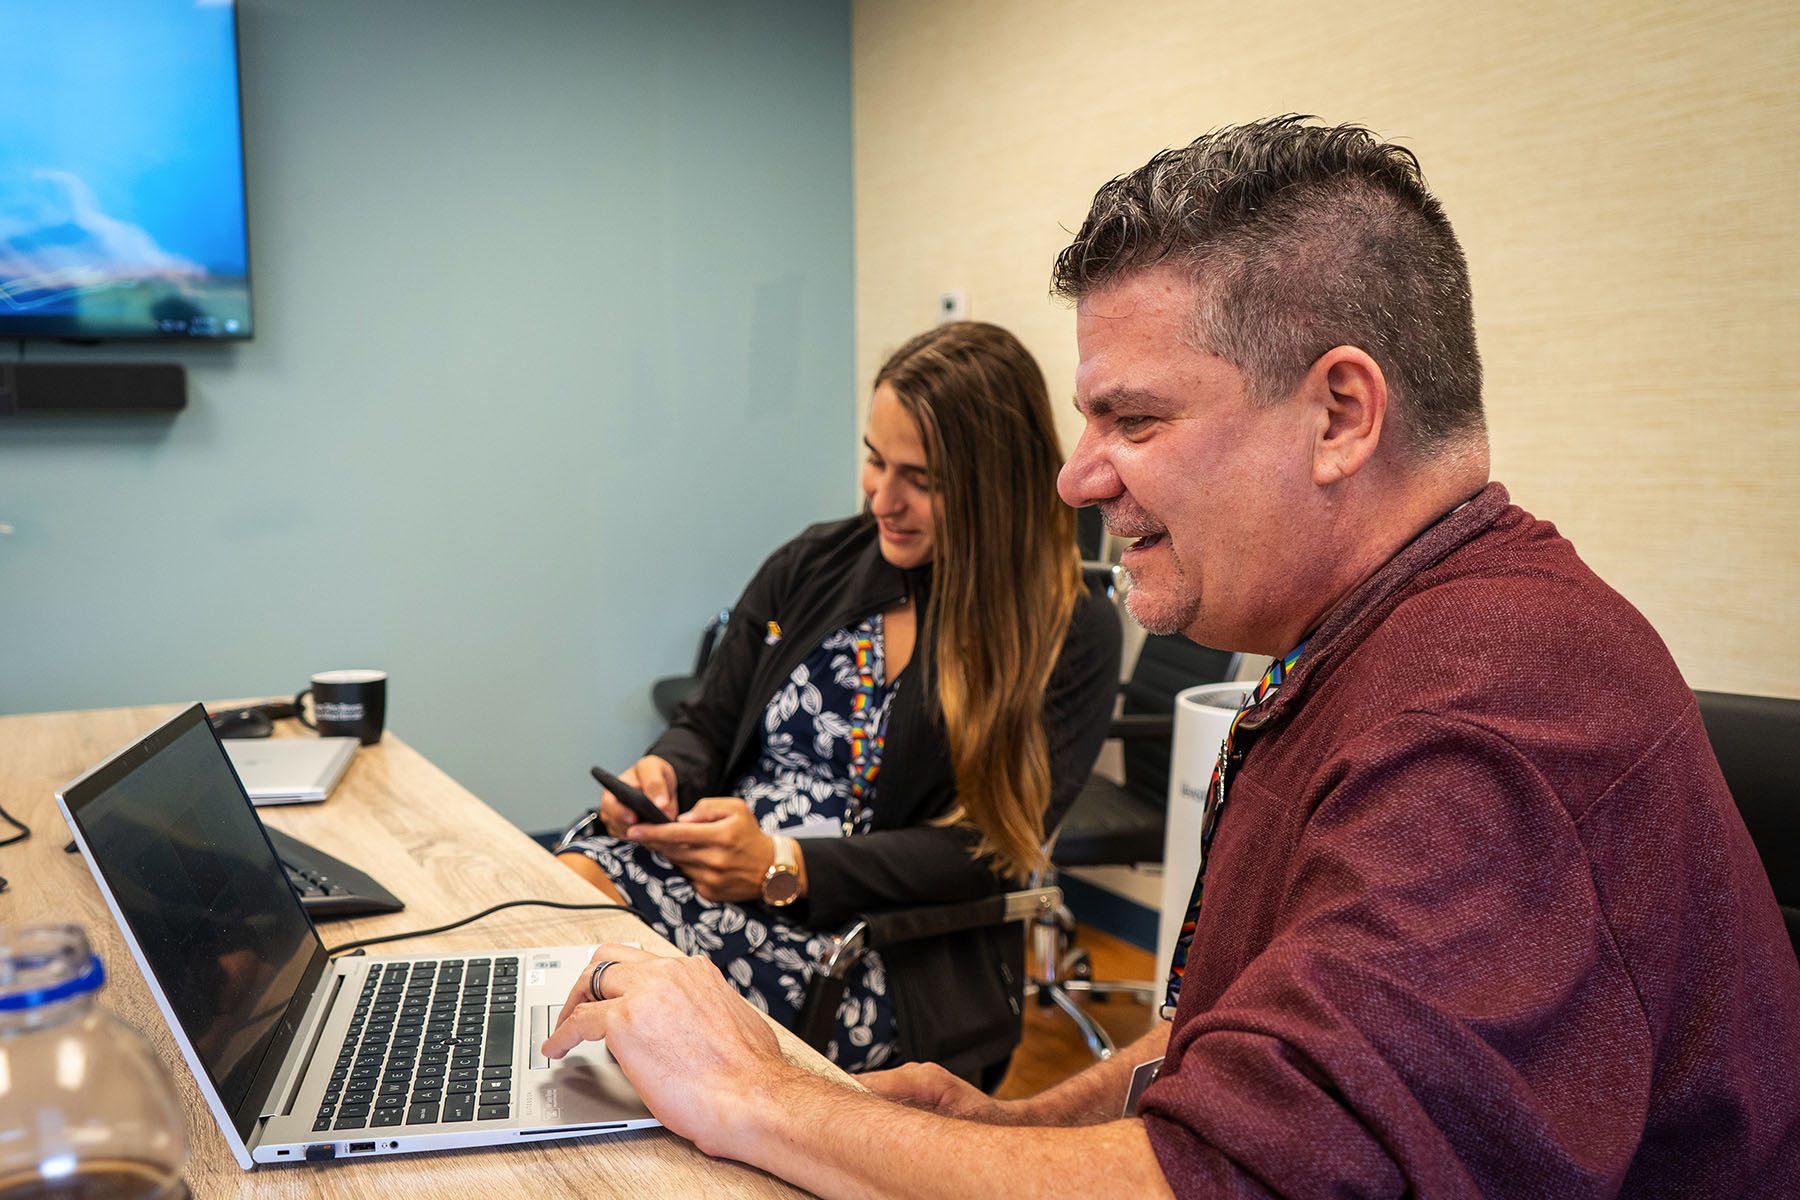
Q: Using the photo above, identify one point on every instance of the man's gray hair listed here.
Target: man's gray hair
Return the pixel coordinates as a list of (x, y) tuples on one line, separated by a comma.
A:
[(1302, 237)]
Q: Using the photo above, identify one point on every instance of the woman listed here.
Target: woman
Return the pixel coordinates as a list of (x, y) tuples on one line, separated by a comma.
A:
[(899, 707)]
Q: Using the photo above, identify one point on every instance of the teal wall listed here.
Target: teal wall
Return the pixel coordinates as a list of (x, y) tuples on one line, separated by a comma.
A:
[(554, 344)]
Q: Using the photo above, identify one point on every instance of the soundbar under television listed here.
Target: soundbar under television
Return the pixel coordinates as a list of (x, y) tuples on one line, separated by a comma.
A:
[(122, 208)]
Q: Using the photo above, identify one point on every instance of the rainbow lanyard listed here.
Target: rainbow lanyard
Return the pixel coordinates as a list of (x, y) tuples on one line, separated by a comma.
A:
[(868, 734), (1209, 823)]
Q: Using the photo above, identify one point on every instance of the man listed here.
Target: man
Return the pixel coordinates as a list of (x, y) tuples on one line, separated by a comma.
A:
[(1478, 915)]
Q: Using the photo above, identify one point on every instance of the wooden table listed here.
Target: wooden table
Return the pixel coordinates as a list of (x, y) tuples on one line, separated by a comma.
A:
[(443, 852)]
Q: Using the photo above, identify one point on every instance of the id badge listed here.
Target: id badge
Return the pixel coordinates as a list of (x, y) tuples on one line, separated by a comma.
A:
[(1140, 1079), (817, 827)]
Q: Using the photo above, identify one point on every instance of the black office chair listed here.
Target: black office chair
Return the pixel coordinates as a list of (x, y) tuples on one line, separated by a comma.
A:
[(1114, 824), (668, 692), (1755, 739)]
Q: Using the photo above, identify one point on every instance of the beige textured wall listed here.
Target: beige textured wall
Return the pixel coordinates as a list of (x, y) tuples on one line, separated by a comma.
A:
[(1623, 177)]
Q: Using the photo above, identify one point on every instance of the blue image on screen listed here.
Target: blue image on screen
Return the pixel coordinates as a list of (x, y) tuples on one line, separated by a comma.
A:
[(121, 171)]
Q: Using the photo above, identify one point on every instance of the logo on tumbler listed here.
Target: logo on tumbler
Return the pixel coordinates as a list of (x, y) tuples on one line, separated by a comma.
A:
[(340, 711)]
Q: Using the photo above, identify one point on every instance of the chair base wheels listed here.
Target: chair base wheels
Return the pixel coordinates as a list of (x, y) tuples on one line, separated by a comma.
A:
[(1064, 971), (1099, 1042)]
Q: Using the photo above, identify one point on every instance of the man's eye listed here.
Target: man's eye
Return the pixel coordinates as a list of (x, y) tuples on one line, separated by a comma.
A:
[(1133, 425)]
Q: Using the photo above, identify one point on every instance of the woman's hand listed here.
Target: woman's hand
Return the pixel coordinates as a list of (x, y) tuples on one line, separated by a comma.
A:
[(651, 775), (718, 845)]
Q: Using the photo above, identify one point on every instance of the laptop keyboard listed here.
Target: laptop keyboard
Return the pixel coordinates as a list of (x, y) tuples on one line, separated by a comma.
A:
[(429, 1042)]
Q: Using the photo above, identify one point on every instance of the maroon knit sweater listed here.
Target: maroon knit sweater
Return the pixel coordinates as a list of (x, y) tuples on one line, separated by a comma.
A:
[(1481, 918)]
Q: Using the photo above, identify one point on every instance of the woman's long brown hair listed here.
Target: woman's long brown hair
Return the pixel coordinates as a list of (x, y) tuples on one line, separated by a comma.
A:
[(1005, 574)]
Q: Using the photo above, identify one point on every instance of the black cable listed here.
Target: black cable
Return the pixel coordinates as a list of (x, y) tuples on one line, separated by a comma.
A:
[(24, 832), (486, 912), (22, 827)]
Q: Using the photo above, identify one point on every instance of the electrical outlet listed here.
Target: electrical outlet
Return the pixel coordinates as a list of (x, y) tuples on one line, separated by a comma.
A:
[(953, 306)]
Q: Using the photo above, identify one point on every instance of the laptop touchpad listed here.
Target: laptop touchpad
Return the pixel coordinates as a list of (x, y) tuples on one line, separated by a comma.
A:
[(543, 1020)]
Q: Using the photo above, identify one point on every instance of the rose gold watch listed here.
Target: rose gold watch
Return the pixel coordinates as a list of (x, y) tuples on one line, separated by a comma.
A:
[(781, 882)]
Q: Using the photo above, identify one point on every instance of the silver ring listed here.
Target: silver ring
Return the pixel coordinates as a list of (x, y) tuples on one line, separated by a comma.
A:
[(598, 973)]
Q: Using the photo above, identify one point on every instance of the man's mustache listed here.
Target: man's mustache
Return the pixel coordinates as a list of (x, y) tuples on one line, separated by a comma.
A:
[(1124, 519)]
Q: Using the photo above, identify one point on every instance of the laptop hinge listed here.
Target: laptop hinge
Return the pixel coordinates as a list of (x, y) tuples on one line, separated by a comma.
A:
[(312, 1028)]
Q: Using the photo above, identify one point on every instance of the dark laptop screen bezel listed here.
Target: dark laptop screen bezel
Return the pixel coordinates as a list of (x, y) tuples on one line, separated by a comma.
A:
[(245, 1109)]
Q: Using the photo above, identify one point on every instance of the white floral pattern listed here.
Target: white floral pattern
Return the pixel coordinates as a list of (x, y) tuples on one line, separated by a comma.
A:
[(803, 774)]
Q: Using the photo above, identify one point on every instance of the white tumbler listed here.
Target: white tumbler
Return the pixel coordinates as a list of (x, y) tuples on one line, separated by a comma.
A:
[(1202, 715)]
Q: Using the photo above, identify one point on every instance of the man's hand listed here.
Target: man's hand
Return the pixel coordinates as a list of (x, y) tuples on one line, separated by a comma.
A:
[(651, 775), (717, 844), (701, 1058), (929, 1086), (710, 1068)]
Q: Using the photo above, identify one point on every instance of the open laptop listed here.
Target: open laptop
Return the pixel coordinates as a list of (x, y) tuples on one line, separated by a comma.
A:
[(299, 1056), (290, 770)]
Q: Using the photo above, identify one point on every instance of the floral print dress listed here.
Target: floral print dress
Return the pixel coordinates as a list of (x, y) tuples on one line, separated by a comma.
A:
[(822, 738)]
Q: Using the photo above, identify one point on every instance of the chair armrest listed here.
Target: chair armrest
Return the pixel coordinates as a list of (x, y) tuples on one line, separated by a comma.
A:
[(891, 927), (873, 931), (1142, 727), (894, 926)]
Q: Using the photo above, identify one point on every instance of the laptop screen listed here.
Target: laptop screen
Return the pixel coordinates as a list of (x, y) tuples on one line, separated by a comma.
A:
[(207, 902)]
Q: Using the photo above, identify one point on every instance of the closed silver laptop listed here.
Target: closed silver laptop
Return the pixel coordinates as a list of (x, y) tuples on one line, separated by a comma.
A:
[(298, 770), (300, 1056)]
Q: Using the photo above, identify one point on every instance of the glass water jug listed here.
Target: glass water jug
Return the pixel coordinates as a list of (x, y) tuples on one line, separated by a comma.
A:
[(86, 1111)]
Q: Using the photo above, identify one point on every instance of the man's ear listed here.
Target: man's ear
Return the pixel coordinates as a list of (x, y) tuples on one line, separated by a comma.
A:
[(1352, 395)]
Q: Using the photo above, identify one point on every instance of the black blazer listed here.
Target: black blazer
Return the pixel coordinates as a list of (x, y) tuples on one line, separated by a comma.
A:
[(955, 998)]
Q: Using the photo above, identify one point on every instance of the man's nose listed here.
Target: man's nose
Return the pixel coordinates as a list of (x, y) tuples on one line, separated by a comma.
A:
[(1088, 477)]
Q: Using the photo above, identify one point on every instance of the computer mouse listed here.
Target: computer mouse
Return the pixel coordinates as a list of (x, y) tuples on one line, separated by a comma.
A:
[(242, 723)]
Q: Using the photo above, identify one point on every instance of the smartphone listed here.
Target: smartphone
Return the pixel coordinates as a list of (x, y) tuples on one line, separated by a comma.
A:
[(631, 797)]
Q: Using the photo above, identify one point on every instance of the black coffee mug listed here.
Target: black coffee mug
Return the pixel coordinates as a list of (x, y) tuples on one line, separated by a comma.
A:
[(346, 704)]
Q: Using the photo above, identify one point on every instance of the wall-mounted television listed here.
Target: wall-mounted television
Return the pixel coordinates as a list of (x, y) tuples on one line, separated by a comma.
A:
[(122, 208)]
